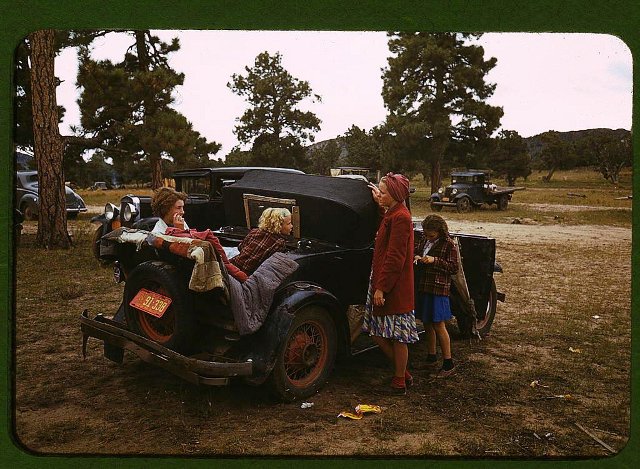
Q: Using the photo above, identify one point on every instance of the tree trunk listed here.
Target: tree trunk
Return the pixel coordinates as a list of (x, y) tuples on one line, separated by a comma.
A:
[(548, 177), (156, 171), (48, 144), (436, 180)]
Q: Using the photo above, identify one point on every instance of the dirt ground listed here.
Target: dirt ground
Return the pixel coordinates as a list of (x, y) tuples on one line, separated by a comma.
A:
[(552, 379)]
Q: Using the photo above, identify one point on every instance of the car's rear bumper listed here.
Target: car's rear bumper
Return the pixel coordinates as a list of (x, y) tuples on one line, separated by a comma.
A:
[(117, 339)]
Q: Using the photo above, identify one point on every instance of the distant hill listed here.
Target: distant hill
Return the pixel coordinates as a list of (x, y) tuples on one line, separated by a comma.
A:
[(535, 145)]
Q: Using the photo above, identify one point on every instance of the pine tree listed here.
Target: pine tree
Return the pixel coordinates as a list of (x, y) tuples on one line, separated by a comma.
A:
[(435, 91), (273, 124), (126, 105), (511, 158)]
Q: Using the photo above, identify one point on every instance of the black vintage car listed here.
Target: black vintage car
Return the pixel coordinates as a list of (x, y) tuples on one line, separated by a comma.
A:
[(203, 336), (469, 189)]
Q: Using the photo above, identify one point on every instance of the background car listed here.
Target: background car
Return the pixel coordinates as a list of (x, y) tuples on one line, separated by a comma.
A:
[(27, 197)]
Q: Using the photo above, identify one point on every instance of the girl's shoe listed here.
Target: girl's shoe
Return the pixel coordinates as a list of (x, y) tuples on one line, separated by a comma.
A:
[(408, 379), (398, 387), (444, 373)]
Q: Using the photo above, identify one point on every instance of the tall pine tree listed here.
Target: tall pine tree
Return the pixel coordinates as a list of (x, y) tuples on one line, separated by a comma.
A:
[(273, 124), (435, 91), (127, 105)]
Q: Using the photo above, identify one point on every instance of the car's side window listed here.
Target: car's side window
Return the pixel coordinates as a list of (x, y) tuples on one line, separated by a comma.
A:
[(254, 205)]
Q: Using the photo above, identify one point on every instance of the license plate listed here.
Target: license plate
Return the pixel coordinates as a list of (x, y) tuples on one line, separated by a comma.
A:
[(151, 302), (445, 199)]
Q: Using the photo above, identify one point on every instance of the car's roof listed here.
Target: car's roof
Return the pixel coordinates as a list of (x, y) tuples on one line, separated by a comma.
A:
[(333, 209), (230, 169), (469, 173)]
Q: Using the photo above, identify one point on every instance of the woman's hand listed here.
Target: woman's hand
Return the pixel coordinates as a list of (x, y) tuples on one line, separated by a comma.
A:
[(375, 192), (378, 298), (178, 221)]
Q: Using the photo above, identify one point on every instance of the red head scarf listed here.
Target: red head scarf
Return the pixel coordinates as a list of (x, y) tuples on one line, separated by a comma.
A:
[(397, 185)]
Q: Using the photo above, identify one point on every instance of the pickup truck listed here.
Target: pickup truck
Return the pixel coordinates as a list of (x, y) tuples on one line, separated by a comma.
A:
[(471, 189)]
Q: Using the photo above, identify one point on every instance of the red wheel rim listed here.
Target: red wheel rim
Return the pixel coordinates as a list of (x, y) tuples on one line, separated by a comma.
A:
[(306, 353), (157, 329)]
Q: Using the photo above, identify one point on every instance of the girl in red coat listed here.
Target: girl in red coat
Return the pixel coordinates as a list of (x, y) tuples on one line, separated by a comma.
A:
[(389, 315)]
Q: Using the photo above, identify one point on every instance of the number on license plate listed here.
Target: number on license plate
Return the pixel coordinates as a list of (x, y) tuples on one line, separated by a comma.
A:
[(445, 199), (151, 302)]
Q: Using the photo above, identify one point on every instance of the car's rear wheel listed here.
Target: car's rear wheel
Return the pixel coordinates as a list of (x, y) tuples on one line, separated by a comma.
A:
[(306, 356), (176, 328), (483, 324), (29, 211), (503, 202), (463, 205)]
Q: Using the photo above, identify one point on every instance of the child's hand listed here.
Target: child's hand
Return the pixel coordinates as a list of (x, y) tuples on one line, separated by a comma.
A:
[(428, 259), (416, 259)]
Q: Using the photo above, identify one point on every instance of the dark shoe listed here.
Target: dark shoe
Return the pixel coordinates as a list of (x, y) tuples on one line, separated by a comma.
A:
[(428, 366), (444, 373), (397, 390), (408, 380)]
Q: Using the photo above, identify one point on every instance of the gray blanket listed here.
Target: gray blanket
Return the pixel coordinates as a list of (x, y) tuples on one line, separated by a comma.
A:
[(251, 300)]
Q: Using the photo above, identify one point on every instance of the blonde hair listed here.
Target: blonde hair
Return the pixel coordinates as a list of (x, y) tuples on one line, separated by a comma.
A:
[(272, 219)]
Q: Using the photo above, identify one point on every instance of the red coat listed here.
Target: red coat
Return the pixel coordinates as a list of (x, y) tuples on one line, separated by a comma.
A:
[(393, 262)]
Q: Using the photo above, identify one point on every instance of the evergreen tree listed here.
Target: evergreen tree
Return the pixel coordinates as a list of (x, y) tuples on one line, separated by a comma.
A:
[(363, 148), (511, 158), (324, 158), (126, 105), (555, 154), (273, 124), (435, 91)]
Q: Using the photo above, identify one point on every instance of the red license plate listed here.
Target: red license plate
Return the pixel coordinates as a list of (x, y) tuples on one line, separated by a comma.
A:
[(445, 199), (151, 302)]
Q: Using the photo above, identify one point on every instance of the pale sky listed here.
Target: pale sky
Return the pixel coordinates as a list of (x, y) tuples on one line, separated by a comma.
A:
[(545, 81)]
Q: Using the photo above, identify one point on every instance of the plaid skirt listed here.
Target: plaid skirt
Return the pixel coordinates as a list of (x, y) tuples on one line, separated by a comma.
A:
[(400, 327)]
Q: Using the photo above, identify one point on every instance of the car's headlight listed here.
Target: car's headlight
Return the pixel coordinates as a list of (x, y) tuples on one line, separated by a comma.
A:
[(110, 211), (129, 212), (440, 191), (454, 191)]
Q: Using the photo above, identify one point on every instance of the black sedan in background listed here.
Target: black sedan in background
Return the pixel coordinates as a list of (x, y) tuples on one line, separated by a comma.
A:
[(27, 197)]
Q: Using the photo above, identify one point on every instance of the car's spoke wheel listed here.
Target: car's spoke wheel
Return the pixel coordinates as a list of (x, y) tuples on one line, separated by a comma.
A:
[(306, 355)]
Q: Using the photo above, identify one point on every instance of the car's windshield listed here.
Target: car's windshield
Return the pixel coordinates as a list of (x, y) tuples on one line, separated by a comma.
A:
[(196, 185), (461, 179)]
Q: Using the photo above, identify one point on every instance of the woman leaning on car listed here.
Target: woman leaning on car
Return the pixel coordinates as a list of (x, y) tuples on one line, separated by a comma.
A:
[(389, 317)]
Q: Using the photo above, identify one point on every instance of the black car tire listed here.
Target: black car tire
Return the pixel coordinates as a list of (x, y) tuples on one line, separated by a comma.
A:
[(306, 355), (72, 215), (483, 325), (29, 211), (503, 202), (436, 208), (176, 329), (463, 205)]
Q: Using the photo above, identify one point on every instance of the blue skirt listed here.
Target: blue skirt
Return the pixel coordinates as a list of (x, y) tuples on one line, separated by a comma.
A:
[(434, 308)]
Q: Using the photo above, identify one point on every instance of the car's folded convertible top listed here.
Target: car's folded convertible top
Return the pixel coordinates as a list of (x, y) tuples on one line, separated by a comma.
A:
[(335, 210)]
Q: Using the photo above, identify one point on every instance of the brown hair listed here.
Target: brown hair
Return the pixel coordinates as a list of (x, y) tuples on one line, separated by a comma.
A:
[(163, 199), (436, 223)]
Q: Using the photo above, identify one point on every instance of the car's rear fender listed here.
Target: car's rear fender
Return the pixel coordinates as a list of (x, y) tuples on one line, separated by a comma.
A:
[(288, 302)]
